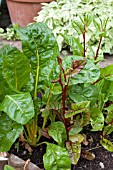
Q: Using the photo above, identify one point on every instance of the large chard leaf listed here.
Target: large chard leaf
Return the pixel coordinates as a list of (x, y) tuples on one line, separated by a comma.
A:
[(97, 119), (40, 46), (57, 132), (19, 107), (16, 69), (4, 87), (79, 93), (89, 74), (56, 158), (9, 132)]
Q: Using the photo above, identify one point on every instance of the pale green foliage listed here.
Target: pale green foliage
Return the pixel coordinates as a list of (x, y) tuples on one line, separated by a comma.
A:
[(59, 16)]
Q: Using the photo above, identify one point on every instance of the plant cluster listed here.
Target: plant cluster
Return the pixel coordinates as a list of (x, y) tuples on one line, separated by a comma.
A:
[(60, 15), (71, 93), (10, 33)]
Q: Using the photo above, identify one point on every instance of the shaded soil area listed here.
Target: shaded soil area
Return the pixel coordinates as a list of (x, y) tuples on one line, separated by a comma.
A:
[(103, 158)]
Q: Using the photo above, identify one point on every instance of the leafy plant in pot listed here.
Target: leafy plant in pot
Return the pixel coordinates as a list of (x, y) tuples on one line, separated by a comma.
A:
[(37, 82), (22, 12)]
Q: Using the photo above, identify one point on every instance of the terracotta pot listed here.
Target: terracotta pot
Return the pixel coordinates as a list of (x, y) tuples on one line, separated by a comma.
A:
[(23, 11)]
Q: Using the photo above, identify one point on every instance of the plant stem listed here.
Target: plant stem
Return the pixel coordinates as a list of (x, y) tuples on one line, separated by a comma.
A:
[(84, 38), (37, 75), (99, 44)]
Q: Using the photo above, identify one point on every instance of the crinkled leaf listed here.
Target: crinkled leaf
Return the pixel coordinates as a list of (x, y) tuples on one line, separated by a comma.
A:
[(19, 107), (75, 129), (16, 69), (90, 73), (109, 116), (41, 48), (79, 93), (74, 147), (73, 65), (97, 119), (56, 158), (77, 108), (107, 144), (58, 133), (9, 132)]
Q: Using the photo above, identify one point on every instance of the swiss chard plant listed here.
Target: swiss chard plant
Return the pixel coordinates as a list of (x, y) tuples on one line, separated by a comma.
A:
[(67, 93)]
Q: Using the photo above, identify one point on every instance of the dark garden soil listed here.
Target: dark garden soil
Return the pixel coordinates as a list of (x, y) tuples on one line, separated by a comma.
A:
[(103, 159)]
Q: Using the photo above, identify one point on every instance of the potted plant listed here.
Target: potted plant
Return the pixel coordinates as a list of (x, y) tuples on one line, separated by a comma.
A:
[(23, 11)]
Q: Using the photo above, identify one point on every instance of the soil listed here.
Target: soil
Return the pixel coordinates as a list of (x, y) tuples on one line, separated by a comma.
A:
[(103, 158)]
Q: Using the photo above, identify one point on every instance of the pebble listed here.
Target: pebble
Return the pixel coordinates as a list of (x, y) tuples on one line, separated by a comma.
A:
[(101, 165)]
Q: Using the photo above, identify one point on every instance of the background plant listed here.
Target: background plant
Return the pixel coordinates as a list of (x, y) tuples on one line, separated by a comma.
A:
[(60, 15), (10, 33)]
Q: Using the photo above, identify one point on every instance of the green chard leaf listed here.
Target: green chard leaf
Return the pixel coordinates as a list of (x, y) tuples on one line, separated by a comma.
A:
[(9, 132), (19, 107), (16, 69), (77, 108), (74, 147), (41, 48), (79, 93), (58, 133), (97, 119), (56, 158), (107, 144)]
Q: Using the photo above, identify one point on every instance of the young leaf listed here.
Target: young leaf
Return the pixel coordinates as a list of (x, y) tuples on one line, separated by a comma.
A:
[(97, 119), (90, 73), (109, 116), (56, 158), (108, 129), (9, 132), (19, 107), (74, 150), (74, 147), (107, 144), (77, 108), (75, 129), (57, 132)]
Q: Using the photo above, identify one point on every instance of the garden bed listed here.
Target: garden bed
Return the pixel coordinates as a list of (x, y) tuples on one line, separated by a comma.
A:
[(54, 102), (103, 158)]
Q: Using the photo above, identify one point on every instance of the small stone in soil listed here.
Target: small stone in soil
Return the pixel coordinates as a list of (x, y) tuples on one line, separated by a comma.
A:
[(101, 165)]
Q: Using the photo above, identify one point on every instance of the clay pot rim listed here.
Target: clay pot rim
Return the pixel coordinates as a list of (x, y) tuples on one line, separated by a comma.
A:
[(31, 1)]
